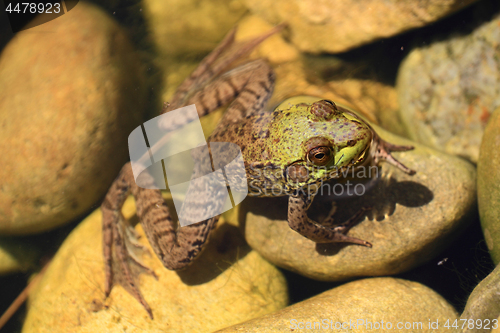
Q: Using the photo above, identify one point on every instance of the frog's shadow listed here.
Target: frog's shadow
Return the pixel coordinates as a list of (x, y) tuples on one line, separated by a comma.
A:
[(224, 249), (382, 198)]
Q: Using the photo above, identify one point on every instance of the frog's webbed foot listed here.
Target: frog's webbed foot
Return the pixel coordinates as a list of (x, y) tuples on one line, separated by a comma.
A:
[(175, 248), (383, 151), (119, 240), (300, 222), (131, 240)]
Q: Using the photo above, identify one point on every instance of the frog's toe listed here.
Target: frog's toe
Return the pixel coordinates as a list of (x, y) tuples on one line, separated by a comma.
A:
[(341, 238), (392, 147), (344, 227), (383, 152)]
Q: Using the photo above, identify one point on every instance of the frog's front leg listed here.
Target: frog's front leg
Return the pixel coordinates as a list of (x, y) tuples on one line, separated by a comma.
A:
[(299, 203)]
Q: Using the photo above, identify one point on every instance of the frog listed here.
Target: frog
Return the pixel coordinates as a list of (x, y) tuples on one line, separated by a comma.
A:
[(304, 142)]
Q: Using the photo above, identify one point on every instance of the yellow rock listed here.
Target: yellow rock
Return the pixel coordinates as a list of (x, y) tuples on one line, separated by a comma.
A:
[(335, 26), (228, 284), (378, 304), (488, 191), (275, 48), (377, 101), (181, 27), (71, 91), (482, 307), (16, 255)]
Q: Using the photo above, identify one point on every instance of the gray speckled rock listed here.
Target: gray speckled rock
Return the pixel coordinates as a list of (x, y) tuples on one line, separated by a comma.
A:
[(335, 26), (413, 219), (448, 90), (67, 107), (488, 189), (378, 304)]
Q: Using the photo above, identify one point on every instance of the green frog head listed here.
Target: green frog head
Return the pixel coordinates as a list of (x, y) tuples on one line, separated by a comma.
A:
[(314, 139)]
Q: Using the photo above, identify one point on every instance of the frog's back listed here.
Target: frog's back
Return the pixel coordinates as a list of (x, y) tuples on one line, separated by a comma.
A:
[(251, 134)]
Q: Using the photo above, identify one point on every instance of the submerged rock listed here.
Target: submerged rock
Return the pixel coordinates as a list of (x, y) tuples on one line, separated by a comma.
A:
[(413, 218), (16, 255), (448, 90), (488, 189), (380, 304), (482, 308), (71, 91), (180, 27), (335, 26), (229, 283)]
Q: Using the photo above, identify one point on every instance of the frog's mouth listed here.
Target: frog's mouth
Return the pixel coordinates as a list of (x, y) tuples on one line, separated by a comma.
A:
[(361, 157), (357, 160)]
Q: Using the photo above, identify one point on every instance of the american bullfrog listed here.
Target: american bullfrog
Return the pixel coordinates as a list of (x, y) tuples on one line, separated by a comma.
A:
[(304, 141)]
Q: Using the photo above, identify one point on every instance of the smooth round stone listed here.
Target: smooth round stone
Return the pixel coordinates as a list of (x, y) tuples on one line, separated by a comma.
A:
[(448, 90), (412, 219), (374, 99), (71, 91), (330, 26), (180, 27), (229, 283), (378, 304), (483, 308), (488, 189), (16, 256)]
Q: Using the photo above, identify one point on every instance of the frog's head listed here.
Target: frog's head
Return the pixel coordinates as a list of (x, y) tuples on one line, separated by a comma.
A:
[(317, 139)]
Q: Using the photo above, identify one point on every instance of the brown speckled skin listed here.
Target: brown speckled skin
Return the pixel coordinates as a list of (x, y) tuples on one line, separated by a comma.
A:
[(276, 150)]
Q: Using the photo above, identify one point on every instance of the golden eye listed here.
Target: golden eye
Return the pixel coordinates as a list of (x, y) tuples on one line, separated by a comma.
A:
[(320, 155)]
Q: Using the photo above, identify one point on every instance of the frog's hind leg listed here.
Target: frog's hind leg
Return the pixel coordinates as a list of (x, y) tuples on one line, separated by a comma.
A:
[(300, 222), (212, 66), (175, 248), (114, 238), (382, 151), (253, 85), (250, 85)]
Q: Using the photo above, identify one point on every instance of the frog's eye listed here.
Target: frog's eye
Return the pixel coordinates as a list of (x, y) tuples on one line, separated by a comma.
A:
[(320, 155)]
